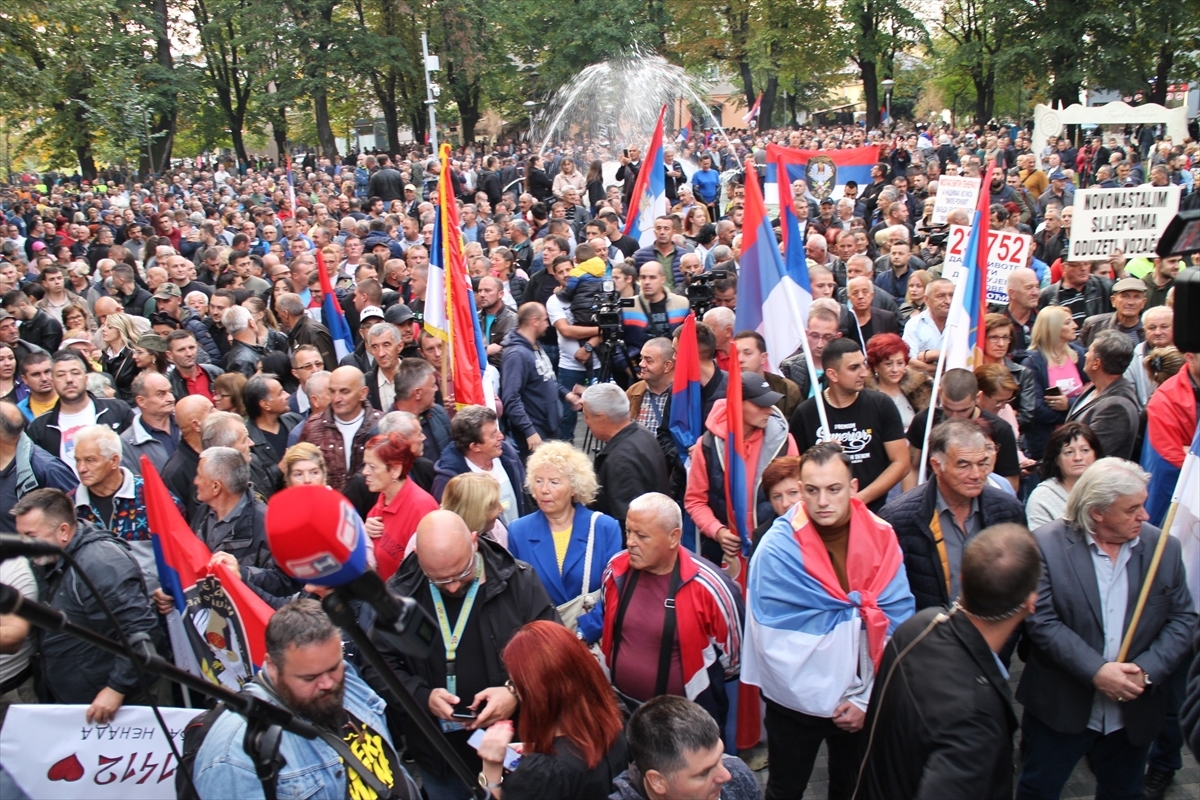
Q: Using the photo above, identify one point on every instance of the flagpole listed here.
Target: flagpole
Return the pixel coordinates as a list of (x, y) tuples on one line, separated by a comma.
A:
[(937, 384), (1144, 594)]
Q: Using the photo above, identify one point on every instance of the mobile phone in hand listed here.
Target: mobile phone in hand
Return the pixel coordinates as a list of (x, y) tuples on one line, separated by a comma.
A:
[(463, 711)]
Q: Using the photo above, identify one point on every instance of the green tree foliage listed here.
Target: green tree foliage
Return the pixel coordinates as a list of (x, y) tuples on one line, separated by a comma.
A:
[(876, 31)]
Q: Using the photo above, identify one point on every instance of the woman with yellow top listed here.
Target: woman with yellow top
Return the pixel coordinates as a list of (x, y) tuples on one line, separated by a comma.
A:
[(563, 539)]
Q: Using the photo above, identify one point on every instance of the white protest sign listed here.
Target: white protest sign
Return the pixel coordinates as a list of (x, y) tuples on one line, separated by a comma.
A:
[(1130, 220), (958, 321), (54, 754), (1006, 252), (954, 191)]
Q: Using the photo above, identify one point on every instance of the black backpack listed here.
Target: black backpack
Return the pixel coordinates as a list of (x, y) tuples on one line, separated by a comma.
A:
[(193, 737)]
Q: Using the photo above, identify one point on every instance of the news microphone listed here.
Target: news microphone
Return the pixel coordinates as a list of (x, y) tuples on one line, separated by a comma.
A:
[(14, 545), (317, 538)]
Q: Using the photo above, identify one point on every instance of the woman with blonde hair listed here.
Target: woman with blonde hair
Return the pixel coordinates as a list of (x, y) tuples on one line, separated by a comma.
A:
[(303, 465), (914, 295), (565, 542), (269, 336), (120, 335), (1056, 362), (475, 496)]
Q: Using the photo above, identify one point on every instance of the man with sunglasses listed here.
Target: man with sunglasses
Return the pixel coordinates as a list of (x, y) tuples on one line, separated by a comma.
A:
[(480, 596)]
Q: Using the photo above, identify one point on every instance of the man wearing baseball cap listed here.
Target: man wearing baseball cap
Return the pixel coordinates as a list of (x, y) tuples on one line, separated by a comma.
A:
[(1128, 302), (361, 357), (403, 318), (765, 437), (169, 300)]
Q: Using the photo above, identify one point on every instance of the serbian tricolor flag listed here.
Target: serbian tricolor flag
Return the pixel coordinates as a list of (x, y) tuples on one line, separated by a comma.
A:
[(769, 289), (825, 171), (450, 312), (969, 304), (686, 133), (735, 464), (752, 114), (219, 625), (649, 199), (331, 312), (802, 629), (685, 421)]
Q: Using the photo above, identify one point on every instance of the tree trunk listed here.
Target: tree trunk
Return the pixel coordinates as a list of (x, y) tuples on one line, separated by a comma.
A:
[(162, 127), (467, 100), (420, 124), (747, 83), (870, 80), (766, 111), (391, 121), (239, 140), (279, 132), (1162, 74), (325, 136)]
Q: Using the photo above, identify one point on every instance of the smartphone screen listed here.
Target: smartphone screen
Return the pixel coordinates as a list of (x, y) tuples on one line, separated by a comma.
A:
[(463, 712)]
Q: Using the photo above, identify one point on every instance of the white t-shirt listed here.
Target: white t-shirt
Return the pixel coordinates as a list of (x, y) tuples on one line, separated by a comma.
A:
[(567, 347), (348, 428), (69, 426), (508, 497)]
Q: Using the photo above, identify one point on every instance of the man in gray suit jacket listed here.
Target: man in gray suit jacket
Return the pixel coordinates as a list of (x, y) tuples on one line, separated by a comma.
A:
[(1078, 698)]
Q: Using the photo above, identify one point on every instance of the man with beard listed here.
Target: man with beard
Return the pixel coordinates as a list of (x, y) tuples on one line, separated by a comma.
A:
[(304, 671)]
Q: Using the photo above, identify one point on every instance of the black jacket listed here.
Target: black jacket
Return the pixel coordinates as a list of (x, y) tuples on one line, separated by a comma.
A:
[(630, 465), (1096, 293), (306, 331), (910, 514), (73, 671), (944, 727), (179, 474), (243, 358), (44, 431), (387, 184), (511, 596), (179, 384), (247, 542), (43, 330), (505, 321), (123, 370), (1113, 415)]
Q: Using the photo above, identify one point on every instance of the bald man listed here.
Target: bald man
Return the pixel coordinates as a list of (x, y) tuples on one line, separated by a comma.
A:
[(456, 572), (180, 470), (342, 430)]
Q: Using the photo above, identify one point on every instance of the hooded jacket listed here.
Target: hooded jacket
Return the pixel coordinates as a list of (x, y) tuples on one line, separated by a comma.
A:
[(529, 389), (73, 671), (45, 433)]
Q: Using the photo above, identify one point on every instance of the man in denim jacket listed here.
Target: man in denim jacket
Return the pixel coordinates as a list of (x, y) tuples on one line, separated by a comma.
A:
[(304, 670)]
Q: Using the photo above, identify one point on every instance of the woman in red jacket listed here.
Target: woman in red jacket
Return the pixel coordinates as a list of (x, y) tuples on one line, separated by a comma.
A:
[(401, 504)]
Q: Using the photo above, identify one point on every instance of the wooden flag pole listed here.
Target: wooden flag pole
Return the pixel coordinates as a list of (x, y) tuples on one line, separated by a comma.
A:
[(1144, 594)]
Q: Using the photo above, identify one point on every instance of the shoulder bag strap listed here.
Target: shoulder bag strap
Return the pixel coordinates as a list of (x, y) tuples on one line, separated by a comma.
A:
[(400, 789), (668, 640), (623, 606), (587, 558)]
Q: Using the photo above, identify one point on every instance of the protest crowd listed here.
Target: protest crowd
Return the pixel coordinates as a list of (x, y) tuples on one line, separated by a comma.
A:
[(652, 611)]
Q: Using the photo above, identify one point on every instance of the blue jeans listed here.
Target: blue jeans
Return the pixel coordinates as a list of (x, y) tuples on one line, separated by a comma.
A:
[(567, 378), (1166, 750), (1049, 757), (449, 787)]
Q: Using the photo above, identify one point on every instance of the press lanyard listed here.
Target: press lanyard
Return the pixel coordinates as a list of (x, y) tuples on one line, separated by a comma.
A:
[(452, 638)]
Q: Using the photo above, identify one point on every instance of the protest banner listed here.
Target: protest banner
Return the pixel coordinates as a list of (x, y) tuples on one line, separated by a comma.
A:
[(954, 192), (1130, 220), (53, 753)]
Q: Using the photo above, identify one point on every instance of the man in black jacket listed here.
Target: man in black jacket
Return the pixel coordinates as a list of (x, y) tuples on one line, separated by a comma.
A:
[(244, 353), (72, 671), (631, 462), (455, 571), (935, 520), (55, 430), (387, 183), (37, 327), (943, 714)]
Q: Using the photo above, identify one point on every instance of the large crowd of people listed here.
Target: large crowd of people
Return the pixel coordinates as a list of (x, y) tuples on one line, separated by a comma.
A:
[(588, 577)]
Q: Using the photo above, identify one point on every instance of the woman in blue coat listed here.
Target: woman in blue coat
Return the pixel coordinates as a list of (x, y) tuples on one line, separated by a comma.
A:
[(554, 539), (1056, 362)]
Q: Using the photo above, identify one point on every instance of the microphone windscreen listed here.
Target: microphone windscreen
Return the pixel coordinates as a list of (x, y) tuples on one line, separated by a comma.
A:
[(316, 536)]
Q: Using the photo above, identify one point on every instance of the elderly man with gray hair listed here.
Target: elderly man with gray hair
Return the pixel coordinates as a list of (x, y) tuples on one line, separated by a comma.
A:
[(244, 352), (631, 462), (1082, 694), (1110, 406), (935, 520)]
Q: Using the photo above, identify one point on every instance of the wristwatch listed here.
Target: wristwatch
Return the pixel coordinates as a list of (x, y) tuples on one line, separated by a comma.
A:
[(1145, 678), (483, 781), (588, 346)]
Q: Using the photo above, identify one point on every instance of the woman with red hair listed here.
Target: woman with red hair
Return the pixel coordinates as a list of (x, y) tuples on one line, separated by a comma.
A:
[(887, 357), (573, 739), (401, 504)]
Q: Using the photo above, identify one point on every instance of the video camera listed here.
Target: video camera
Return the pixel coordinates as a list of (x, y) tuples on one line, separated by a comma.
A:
[(608, 305), (933, 236), (699, 289)]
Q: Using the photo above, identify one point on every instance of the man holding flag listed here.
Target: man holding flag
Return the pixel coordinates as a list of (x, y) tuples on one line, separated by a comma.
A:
[(827, 588)]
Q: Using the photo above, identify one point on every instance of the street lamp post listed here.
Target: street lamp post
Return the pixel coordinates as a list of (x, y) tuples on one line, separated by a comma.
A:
[(887, 85), (431, 90), (530, 105)]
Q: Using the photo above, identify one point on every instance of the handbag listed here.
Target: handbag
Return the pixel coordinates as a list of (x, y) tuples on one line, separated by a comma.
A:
[(576, 607)]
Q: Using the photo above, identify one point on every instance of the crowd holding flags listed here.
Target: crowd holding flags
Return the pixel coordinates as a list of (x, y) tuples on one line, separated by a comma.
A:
[(649, 199), (218, 626), (450, 312)]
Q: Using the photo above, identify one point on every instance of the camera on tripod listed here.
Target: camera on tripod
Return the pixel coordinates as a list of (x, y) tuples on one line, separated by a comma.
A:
[(608, 305), (700, 291)]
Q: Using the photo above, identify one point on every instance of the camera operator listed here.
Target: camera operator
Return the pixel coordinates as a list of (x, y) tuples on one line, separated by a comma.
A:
[(655, 311)]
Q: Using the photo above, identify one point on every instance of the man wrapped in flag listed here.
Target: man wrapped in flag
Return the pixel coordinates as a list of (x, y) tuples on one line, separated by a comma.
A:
[(827, 588)]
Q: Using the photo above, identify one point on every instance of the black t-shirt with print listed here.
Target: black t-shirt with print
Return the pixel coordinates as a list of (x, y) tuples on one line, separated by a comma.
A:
[(862, 428)]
